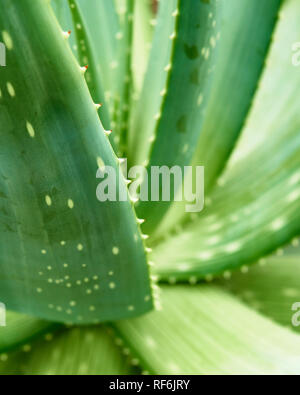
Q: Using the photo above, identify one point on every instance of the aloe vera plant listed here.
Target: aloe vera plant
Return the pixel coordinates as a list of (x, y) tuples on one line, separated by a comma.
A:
[(201, 83)]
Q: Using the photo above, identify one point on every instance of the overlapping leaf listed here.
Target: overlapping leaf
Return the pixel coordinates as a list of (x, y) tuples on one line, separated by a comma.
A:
[(121, 114), (88, 57), (21, 329), (179, 73), (255, 208), (154, 83), (244, 37), (66, 257), (142, 43), (103, 43)]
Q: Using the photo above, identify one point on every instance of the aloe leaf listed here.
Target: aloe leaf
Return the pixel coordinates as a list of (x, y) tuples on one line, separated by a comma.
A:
[(88, 56), (212, 333), (62, 256), (144, 122), (254, 209), (124, 77), (88, 351), (144, 22), (10, 364), (167, 135), (242, 225), (244, 25), (21, 329), (248, 24), (272, 287), (102, 27), (63, 14), (142, 43)]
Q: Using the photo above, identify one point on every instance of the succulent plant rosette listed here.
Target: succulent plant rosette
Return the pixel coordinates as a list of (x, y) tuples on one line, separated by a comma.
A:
[(132, 286)]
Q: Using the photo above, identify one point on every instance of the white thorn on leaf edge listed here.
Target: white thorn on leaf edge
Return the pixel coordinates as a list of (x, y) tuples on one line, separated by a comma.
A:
[(67, 34), (84, 69)]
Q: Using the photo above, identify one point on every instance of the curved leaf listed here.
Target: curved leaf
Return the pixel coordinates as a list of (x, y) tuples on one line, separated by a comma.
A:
[(181, 114), (272, 288), (241, 225), (142, 42), (204, 330), (64, 255), (124, 77), (154, 83), (246, 29), (102, 26), (63, 14), (88, 56), (21, 329), (89, 351), (255, 208)]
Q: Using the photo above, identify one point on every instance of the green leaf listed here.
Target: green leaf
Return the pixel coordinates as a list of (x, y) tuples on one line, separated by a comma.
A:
[(88, 351), (242, 225), (21, 329), (124, 77), (168, 133), (246, 31), (155, 82), (102, 26), (255, 208), (89, 56), (63, 14), (272, 287), (244, 39), (64, 255), (142, 43), (204, 330)]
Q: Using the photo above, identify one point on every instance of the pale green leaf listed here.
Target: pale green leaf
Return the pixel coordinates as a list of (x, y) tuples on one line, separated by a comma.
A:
[(204, 330), (85, 351), (21, 329), (272, 287)]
